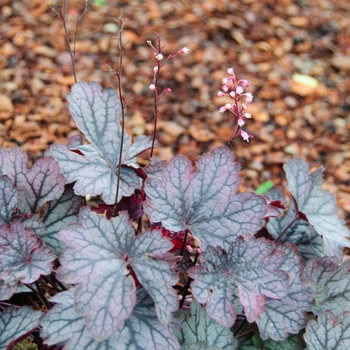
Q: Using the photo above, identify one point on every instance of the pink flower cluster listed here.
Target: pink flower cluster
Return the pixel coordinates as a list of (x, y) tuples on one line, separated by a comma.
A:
[(235, 90)]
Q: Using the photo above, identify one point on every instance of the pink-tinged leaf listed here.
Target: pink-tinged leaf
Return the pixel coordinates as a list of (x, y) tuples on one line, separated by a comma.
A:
[(335, 278), (23, 258), (302, 234), (142, 330), (37, 185), (16, 324), (196, 327), (328, 332), (133, 205), (100, 257), (318, 205), (9, 199), (252, 265), (288, 315), (58, 215), (204, 200)]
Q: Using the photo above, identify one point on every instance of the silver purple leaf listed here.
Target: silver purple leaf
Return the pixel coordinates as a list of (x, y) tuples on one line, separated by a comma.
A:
[(100, 255), (23, 257), (36, 185), (198, 327), (335, 281), (204, 199), (317, 204), (142, 330), (16, 323), (253, 265), (328, 332), (285, 316)]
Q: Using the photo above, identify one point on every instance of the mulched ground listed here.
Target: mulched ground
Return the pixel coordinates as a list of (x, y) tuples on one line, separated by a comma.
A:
[(266, 41)]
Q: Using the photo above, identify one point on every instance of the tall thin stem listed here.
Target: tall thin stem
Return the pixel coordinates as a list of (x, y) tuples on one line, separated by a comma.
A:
[(122, 103)]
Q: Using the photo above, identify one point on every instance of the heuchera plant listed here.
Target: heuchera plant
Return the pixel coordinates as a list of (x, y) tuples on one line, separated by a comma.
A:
[(169, 256)]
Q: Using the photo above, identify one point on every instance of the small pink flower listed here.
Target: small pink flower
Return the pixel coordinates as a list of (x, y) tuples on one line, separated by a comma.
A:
[(247, 115), (167, 90), (239, 90), (222, 109), (159, 57), (240, 121), (221, 94), (152, 87), (243, 107), (246, 136), (155, 69), (231, 71), (248, 97), (225, 81), (232, 94), (184, 50), (228, 106)]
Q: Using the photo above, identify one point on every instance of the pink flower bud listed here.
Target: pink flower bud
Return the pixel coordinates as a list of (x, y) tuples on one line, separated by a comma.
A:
[(244, 83), (198, 251), (247, 115), (225, 88), (152, 87), (232, 94), (159, 57), (243, 107), (221, 94), (155, 69), (149, 42), (189, 248), (184, 50), (228, 105), (231, 71), (246, 136), (167, 90), (222, 109)]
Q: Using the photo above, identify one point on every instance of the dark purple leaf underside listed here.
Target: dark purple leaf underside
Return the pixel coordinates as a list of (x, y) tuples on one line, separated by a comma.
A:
[(204, 200), (17, 323), (252, 265), (99, 258)]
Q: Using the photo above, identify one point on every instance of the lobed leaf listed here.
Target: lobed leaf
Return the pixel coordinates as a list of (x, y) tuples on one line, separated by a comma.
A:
[(335, 281), (317, 204), (204, 200), (94, 169), (253, 265), (100, 256), (288, 315), (93, 175), (16, 324), (302, 234), (328, 332), (58, 215), (37, 185), (24, 257), (142, 330), (197, 327), (9, 199)]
